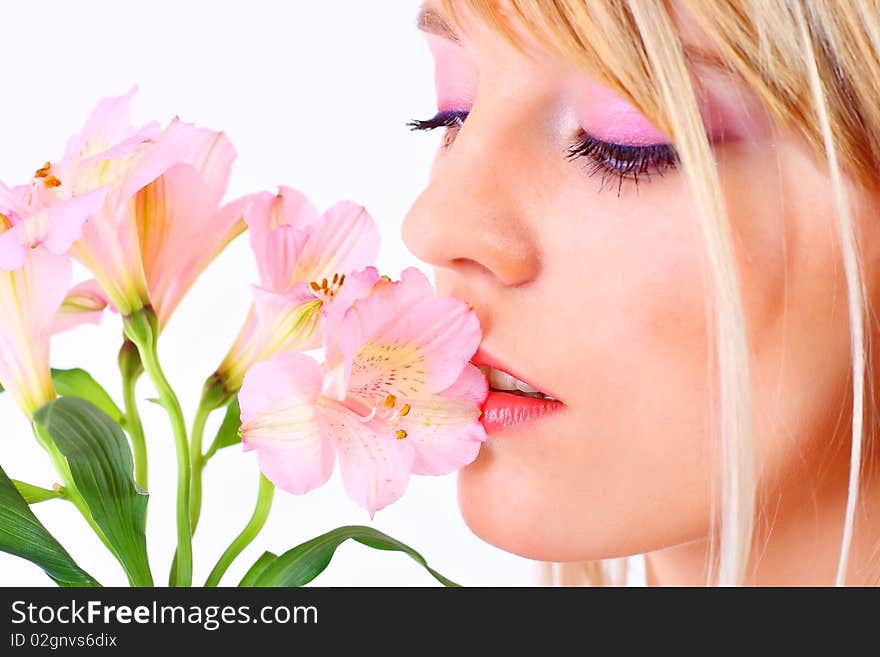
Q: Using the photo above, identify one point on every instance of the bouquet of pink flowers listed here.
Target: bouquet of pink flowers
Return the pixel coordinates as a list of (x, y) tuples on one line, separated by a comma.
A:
[(142, 209)]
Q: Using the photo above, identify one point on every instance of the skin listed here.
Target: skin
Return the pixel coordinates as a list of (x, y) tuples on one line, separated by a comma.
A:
[(599, 298)]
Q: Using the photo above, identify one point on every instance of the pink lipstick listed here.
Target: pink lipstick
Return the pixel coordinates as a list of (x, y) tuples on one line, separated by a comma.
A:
[(513, 402)]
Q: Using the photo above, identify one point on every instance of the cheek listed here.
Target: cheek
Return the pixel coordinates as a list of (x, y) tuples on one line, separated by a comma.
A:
[(620, 317), (795, 296), (644, 441)]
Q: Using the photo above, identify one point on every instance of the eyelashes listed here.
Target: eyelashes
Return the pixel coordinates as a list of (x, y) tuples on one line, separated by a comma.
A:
[(622, 161), (453, 119), (611, 161), (442, 119)]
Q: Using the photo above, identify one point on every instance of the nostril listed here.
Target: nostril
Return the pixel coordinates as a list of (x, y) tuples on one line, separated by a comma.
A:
[(470, 268)]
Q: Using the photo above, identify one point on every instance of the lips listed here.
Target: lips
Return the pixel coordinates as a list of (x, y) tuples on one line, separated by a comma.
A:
[(512, 401)]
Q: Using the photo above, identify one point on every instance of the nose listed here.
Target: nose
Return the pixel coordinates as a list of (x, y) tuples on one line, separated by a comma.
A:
[(473, 217)]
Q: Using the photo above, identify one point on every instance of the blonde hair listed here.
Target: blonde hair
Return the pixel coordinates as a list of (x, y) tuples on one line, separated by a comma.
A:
[(816, 66)]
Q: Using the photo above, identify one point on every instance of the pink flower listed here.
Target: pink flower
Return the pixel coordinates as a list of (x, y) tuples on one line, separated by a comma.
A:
[(181, 226), (162, 223), (34, 278), (109, 153), (302, 257), (397, 395)]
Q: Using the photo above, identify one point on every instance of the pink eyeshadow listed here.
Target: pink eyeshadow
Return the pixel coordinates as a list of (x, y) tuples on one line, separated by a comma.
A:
[(606, 116), (455, 75)]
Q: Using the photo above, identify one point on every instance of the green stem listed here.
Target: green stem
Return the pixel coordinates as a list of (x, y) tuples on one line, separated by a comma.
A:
[(131, 369), (214, 395), (197, 462), (142, 329), (248, 534)]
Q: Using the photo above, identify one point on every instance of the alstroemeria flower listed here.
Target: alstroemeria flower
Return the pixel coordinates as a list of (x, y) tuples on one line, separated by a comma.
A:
[(396, 396), (181, 226), (303, 257), (109, 153), (34, 278)]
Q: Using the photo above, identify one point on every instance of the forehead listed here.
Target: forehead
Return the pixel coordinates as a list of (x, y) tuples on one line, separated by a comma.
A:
[(465, 28)]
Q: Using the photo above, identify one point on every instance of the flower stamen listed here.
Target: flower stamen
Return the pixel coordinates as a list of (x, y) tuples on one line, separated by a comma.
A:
[(326, 290), (370, 416)]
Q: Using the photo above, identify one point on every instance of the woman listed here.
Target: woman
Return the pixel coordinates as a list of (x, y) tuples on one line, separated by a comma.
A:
[(665, 216)]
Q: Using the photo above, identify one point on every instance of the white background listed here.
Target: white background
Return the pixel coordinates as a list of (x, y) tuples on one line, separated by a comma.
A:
[(314, 95)]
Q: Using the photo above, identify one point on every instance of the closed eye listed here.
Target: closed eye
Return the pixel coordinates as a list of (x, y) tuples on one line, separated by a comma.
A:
[(625, 162), (442, 119)]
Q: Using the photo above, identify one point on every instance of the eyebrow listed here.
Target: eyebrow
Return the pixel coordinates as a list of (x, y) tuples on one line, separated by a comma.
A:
[(432, 21)]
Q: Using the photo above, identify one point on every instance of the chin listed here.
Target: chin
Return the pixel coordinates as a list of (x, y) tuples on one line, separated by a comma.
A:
[(507, 503), (502, 513)]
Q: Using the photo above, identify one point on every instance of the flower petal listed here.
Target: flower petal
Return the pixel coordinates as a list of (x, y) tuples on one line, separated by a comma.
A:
[(212, 154), (29, 300), (66, 220), (375, 466), (172, 213), (344, 239), (107, 125), (110, 250), (155, 158), (445, 428), (275, 323), (286, 321), (214, 235), (84, 304), (12, 249), (357, 285), (280, 421), (55, 227), (277, 226), (13, 200), (400, 341)]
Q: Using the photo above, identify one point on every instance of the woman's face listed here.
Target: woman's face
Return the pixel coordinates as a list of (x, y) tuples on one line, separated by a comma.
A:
[(589, 286)]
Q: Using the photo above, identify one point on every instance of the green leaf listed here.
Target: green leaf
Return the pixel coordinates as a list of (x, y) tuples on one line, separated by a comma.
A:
[(33, 494), (101, 467), (306, 561), (227, 434), (79, 383), (24, 536), (257, 569)]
